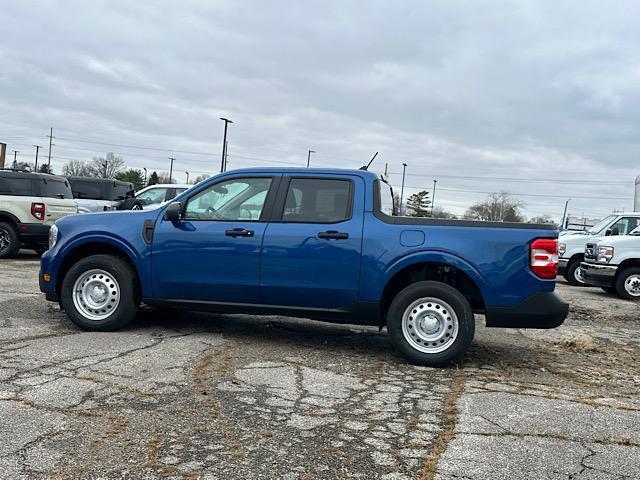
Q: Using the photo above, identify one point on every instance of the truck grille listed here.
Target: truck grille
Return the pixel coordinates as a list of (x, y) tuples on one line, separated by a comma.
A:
[(590, 251)]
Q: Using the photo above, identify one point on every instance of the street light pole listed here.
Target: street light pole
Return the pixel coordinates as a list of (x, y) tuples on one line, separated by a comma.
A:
[(433, 197), (224, 143), (564, 214), (38, 147), (309, 157), (401, 210), (171, 170), (187, 177), (145, 176)]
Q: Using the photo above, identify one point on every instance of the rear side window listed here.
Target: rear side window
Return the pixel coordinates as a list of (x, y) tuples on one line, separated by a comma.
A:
[(318, 200), (21, 187), (91, 190), (55, 188), (120, 192), (386, 199)]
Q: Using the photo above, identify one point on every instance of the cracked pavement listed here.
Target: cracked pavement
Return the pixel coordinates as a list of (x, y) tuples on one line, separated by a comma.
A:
[(190, 395)]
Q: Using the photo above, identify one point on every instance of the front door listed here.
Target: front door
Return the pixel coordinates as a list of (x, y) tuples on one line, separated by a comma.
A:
[(213, 253), (311, 249)]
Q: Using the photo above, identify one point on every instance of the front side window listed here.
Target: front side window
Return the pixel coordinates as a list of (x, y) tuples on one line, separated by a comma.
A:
[(237, 199), (317, 200), (21, 187), (624, 226), (153, 195)]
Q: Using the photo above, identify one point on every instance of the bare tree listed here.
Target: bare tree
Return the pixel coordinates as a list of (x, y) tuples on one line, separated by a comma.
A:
[(497, 207), (200, 178), (439, 212), (77, 168), (543, 219), (107, 166), (163, 177)]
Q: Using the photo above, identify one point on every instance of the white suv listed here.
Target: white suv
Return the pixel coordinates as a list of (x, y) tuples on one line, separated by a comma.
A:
[(29, 204)]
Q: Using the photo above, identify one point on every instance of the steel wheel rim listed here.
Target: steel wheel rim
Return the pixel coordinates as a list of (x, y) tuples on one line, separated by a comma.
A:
[(430, 325), (5, 239), (632, 285), (96, 294), (578, 274)]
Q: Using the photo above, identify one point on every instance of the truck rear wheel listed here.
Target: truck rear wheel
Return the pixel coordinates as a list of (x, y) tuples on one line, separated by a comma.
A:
[(574, 275), (431, 323), (628, 283), (99, 293), (9, 240)]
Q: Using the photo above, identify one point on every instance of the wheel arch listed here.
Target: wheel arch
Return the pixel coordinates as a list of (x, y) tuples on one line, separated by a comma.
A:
[(441, 267), (9, 218), (96, 247)]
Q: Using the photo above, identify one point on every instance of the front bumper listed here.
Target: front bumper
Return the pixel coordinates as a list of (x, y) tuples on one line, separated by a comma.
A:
[(540, 310), (598, 274), (34, 233), (562, 265)]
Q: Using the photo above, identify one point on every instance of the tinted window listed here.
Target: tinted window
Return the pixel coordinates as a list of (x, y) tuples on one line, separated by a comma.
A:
[(55, 187), (22, 187), (87, 189), (316, 200), (238, 199), (386, 199)]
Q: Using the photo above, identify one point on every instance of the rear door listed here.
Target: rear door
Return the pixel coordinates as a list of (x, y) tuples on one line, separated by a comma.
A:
[(311, 249)]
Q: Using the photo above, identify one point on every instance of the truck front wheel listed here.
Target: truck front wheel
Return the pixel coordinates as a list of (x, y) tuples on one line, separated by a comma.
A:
[(431, 323), (628, 283), (99, 293), (574, 274)]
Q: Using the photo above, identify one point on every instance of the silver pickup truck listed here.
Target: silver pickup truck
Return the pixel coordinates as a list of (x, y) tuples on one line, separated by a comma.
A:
[(613, 263), (99, 194)]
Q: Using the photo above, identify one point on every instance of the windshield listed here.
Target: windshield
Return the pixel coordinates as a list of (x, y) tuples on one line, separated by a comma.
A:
[(55, 187), (598, 227), (635, 231)]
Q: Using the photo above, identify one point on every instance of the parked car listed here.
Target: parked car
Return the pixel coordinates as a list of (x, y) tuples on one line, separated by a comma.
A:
[(320, 244), (613, 263), (99, 194), (29, 204), (571, 246), (153, 196)]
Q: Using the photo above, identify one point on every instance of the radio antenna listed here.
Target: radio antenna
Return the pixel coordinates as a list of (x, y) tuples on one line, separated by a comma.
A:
[(366, 167)]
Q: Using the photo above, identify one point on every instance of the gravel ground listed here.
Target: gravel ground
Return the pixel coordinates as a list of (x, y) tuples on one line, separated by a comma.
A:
[(188, 395)]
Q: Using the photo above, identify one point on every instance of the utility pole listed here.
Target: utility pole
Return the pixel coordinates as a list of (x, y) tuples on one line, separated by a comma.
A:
[(105, 164), (309, 157), (224, 144), (38, 147), (433, 197), (564, 214), (145, 177), (401, 210), (51, 144), (171, 169), (187, 176), (386, 166), (226, 155), (15, 157)]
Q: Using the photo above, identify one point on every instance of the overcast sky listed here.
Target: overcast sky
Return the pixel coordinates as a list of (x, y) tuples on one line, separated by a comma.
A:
[(521, 92)]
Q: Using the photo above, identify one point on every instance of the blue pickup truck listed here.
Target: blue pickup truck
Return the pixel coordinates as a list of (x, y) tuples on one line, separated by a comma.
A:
[(312, 243)]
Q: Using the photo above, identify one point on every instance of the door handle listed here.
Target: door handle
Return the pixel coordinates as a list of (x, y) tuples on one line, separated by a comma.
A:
[(333, 235), (239, 232)]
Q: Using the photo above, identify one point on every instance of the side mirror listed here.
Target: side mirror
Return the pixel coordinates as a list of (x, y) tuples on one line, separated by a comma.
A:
[(173, 212)]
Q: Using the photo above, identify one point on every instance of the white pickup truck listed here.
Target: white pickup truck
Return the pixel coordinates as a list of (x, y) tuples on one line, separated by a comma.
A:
[(613, 263), (571, 245)]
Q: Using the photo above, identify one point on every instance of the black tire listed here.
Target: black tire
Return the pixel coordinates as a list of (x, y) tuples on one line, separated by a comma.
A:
[(439, 291), (126, 278), (9, 240), (572, 274), (610, 289), (621, 280), (39, 249)]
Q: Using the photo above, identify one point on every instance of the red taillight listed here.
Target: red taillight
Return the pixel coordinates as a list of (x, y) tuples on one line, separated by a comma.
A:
[(544, 257), (37, 210)]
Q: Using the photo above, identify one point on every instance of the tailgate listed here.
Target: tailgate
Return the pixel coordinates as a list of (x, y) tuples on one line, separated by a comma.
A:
[(56, 209)]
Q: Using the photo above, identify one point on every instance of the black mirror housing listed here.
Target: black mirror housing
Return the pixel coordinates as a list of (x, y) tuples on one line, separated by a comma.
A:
[(173, 213)]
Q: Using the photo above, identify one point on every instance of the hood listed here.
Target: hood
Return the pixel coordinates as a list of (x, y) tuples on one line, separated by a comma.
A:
[(114, 219), (575, 237), (619, 241)]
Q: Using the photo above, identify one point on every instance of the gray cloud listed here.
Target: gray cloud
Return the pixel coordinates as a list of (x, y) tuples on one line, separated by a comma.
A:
[(499, 89)]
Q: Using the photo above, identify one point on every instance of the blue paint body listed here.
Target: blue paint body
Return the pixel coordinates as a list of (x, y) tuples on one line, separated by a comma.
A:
[(287, 264)]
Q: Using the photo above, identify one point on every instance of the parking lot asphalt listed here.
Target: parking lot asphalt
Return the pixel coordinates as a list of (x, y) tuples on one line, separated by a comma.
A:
[(189, 395)]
